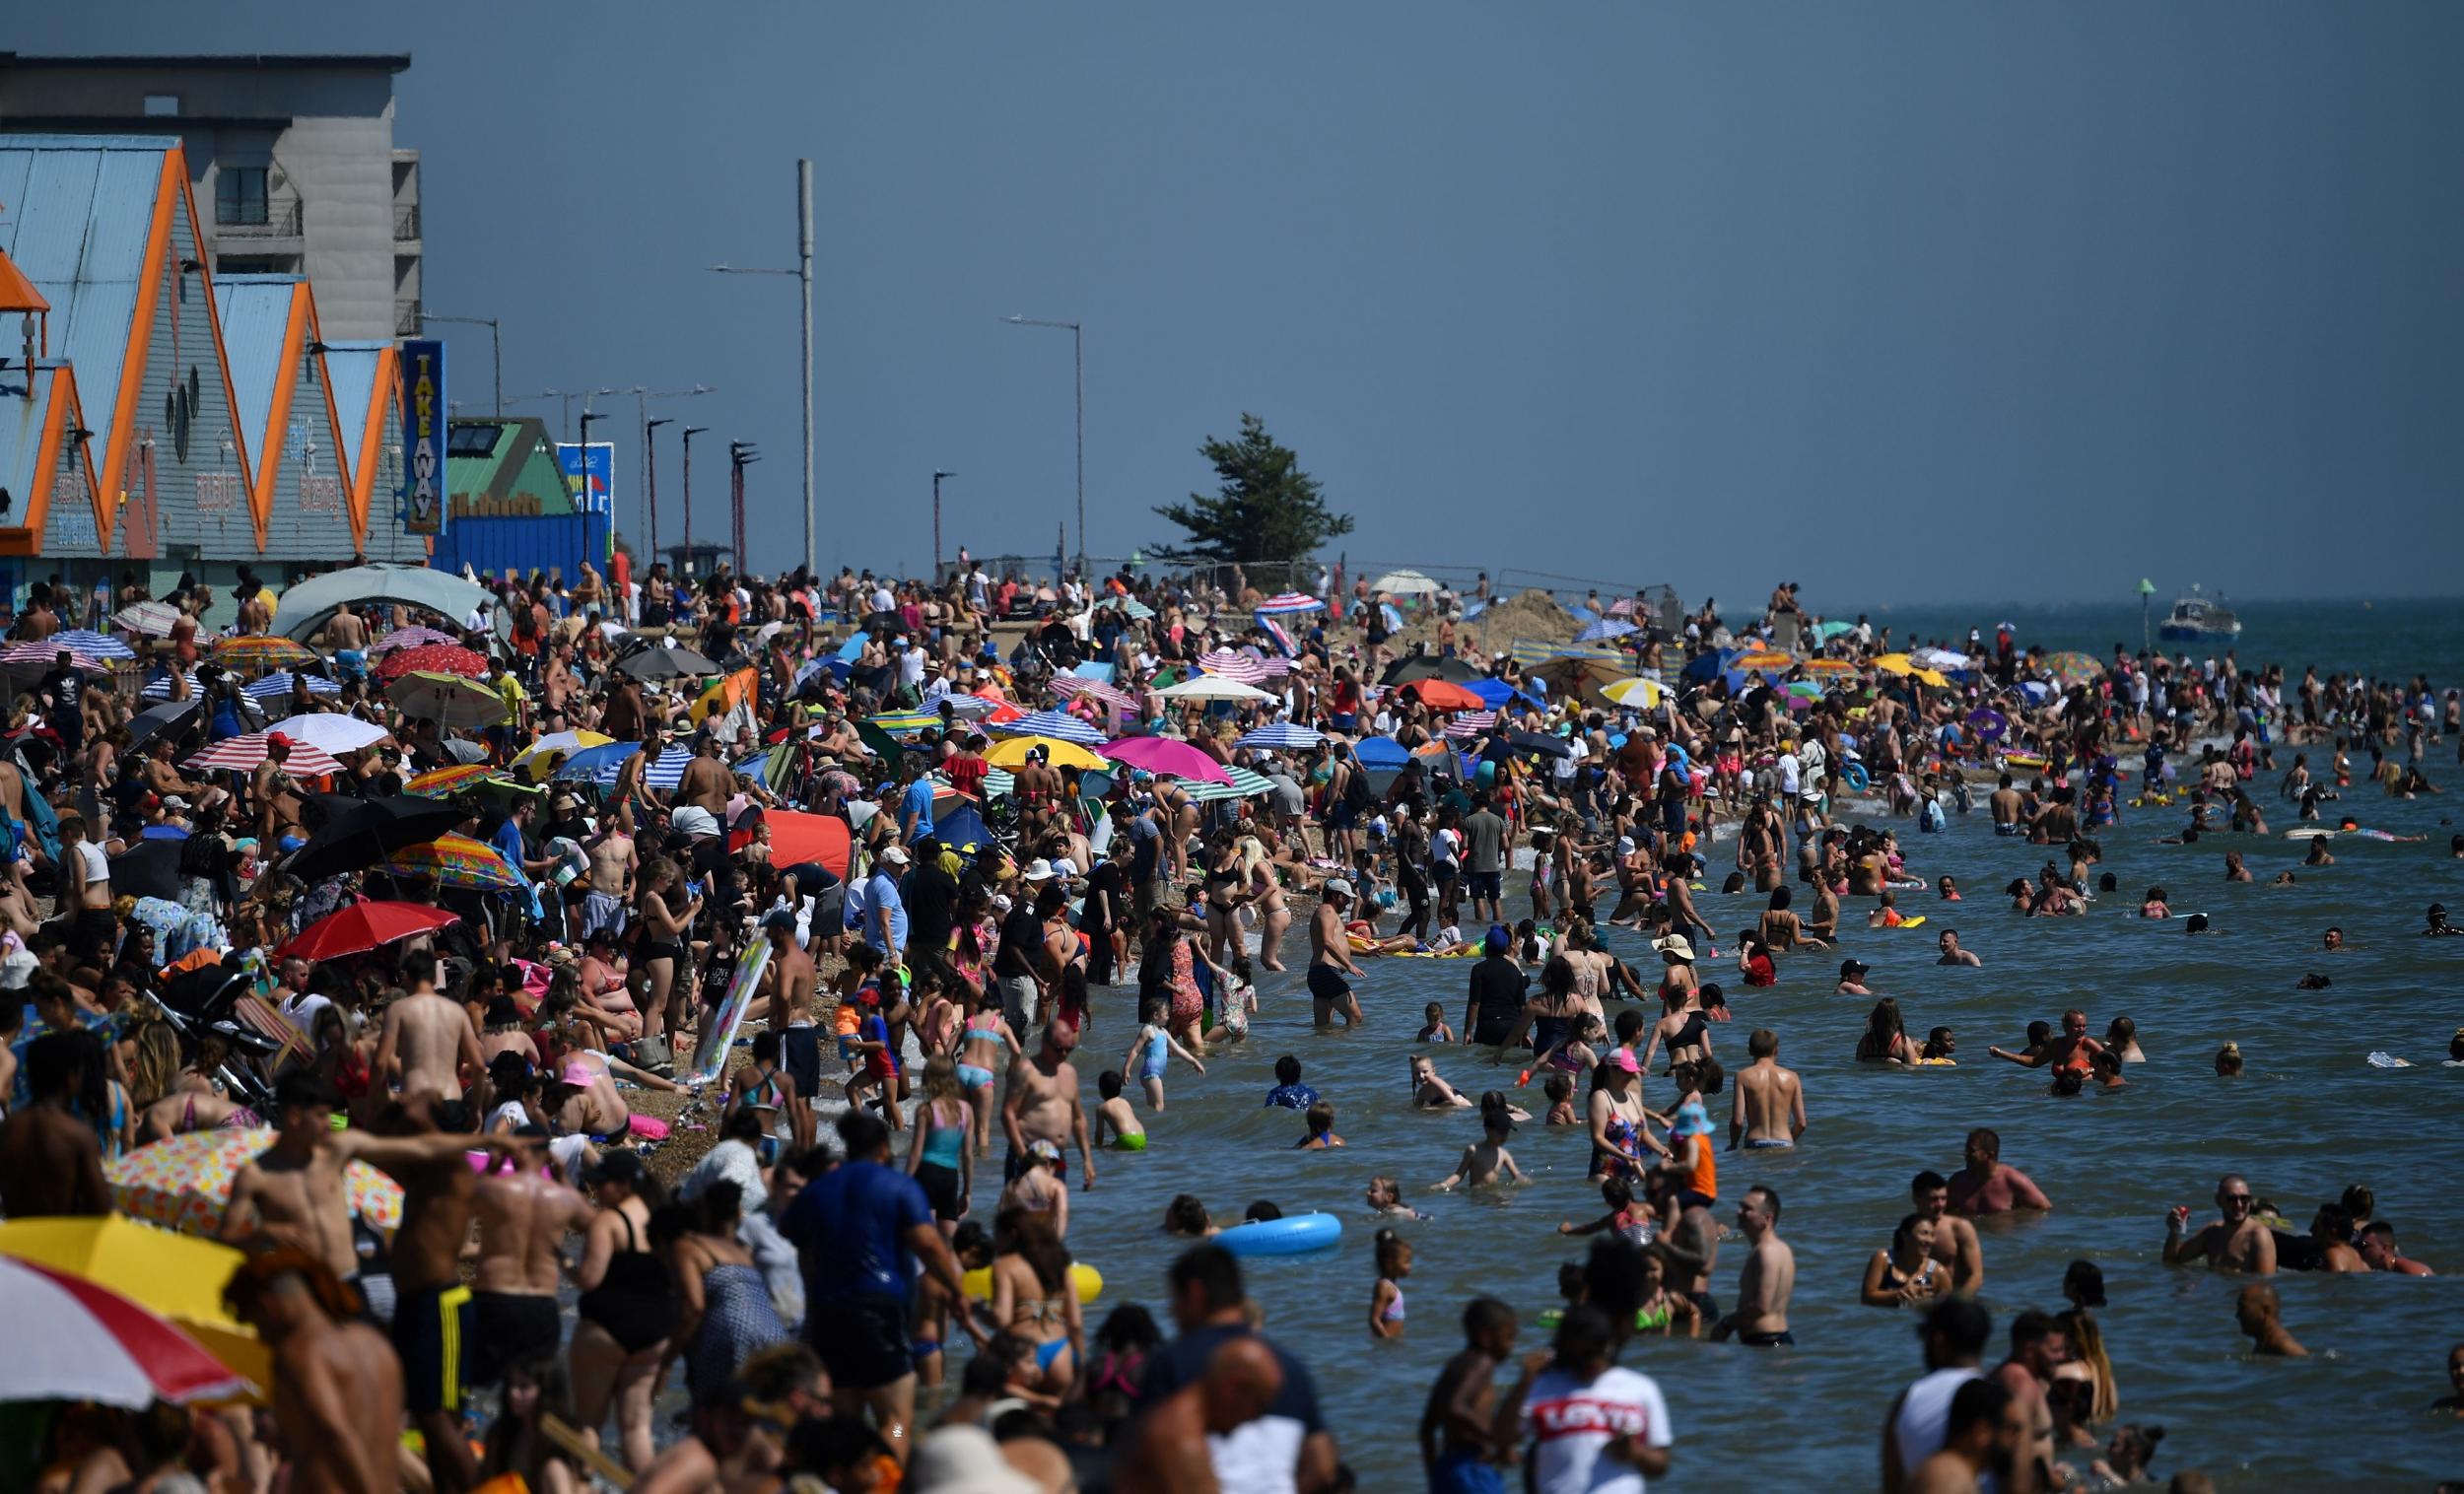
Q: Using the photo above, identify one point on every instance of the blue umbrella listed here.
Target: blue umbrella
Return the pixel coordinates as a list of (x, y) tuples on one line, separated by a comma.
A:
[(277, 684), (1282, 736), (598, 763), (1061, 725), (961, 828), (1382, 752), (1704, 666), (93, 644), (1603, 628)]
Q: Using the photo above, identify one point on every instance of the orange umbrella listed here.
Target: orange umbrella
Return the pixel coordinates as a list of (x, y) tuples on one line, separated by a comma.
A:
[(1443, 695)]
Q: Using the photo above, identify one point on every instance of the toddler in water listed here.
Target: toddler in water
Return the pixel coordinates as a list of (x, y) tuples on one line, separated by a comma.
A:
[(1631, 1222), (973, 1246), (1115, 1115), (1436, 1031), (1572, 1055), (1429, 1091), (1385, 1196), (1949, 889), (1560, 1091), (1151, 1049), (1487, 1158), (1385, 1299), (2154, 906), (1235, 1003), (1321, 1120)]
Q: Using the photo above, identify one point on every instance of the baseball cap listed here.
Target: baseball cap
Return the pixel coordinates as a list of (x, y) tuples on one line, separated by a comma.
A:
[(1623, 1059), (894, 855), (1499, 937), (1336, 887), (1853, 968)]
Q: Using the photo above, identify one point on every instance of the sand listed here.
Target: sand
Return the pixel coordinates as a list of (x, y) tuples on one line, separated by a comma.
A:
[(1534, 613)]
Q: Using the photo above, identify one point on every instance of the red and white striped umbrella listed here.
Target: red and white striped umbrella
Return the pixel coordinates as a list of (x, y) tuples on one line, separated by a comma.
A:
[(1286, 603), (1234, 665), (98, 1346), (409, 638), (1072, 685), (1470, 724), (242, 754), (46, 653)]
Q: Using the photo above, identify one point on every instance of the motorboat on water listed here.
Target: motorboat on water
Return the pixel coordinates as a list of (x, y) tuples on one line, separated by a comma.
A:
[(2195, 619)]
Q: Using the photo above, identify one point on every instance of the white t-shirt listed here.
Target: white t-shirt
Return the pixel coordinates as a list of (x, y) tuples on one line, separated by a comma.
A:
[(1575, 1420), (1790, 768), (1925, 1414), (97, 865)]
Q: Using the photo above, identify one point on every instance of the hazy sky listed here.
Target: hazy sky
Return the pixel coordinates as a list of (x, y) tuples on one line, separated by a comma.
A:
[(1905, 301)]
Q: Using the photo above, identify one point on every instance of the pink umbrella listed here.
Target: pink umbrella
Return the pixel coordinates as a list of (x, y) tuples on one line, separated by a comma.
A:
[(98, 1346), (409, 638), (1164, 755), (1072, 685)]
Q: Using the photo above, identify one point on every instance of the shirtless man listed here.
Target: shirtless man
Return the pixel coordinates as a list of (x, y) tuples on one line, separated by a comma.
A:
[(2379, 1253), (2258, 1313), (428, 1038), (2073, 1049), (2005, 806), (614, 861), (1984, 1430), (294, 1190), (707, 783), (1948, 941), (1331, 958), (790, 1016), (435, 1325), (523, 1218), (1988, 1185), (346, 631), (631, 785), (337, 1385), (50, 1160), (2038, 1347), (1764, 1286), (1956, 1244), (1040, 1103), (2237, 1242), (1769, 1109)]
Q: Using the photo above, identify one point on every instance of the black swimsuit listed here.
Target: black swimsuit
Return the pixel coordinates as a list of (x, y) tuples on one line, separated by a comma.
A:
[(635, 1301)]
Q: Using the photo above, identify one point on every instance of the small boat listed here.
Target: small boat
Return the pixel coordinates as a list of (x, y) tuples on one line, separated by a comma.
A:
[(2195, 620)]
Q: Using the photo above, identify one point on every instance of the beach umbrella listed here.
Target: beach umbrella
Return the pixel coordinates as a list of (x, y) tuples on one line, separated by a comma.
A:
[(1766, 659), (330, 731), (1381, 752), (2071, 667), (242, 754), (1110, 695), (448, 699), (1467, 724), (1443, 695), (457, 860), (358, 832), (444, 782), (541, 757), (413, 636), (159, 688), (1059, 724), (797, 837), (1011, 753), (1603, 628), (305, 607), (362, 926), (1239, 783), (1641, 692), (32, 660), (175, 1277), (596, 764), (1248, 668), (1988, 724), (154, 721), (1213, 687), (1827, 666), (277, 686), (668, 770), (667, 664), (971, 707), (464, 750), (905, 723), (1406, 584), (88, 644), (1428, 666), (1289, 603), (183, 1183), (1807, 691), (1128, 606), (433, 658), (260, 651), (1543, 746), (96, 1345), (146, 619), (1825, 632), (1282, 736), (1940, 658), (1166, 756), (148, 869)]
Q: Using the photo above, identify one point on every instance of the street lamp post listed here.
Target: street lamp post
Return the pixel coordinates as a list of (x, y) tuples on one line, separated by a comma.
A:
[(690, 432), (582, 506), (937, 475), (568, 396), (495, 349), (650, 477), (1077, 339), (642, 395), (741, 456), (803, 272)]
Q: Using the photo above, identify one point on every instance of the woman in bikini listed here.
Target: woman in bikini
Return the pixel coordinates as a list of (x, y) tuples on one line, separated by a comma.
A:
[(1886, 1037), (666, 916), (1033, 1296), (1906, 1274), (987, 1047)]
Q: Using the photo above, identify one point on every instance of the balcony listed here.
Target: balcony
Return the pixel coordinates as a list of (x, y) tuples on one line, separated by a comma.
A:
[(284, 217), (406, 318), (406, 224)]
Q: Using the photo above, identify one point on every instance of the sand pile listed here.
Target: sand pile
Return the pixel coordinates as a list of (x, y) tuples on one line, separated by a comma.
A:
[(1532, 613)]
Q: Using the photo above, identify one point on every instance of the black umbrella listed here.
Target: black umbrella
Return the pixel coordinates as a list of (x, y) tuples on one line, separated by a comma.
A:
[(1428, 666), (148, 869), (1545, 746), (154, 721), (360, 833), (665, 664)]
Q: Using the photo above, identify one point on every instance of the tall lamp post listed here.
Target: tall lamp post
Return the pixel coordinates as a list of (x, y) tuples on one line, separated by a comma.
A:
[(741, 456), (582, 505), (650, 478), (937, 475), (690, 432), (1077, 339), (495, 349), (642, 395), (803, 272)]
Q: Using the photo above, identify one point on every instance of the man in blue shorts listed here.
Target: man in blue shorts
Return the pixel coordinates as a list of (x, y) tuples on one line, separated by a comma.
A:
[(1330, 957)]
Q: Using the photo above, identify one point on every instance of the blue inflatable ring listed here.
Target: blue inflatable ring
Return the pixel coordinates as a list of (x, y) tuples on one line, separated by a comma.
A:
[(1854, 772), (1282, 1237)]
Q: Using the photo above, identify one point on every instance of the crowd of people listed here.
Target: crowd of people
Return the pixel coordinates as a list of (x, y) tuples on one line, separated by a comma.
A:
[(496, 900)]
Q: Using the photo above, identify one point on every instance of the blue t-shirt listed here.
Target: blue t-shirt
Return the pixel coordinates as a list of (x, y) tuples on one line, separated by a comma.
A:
[(881, 901), (918, 801), (1292, 1096), (1146, 844), (850, 1228), (508, 840)]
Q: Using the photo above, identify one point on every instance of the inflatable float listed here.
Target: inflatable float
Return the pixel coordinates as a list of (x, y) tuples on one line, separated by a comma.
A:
[(1290, 1236), (1087, 1279)]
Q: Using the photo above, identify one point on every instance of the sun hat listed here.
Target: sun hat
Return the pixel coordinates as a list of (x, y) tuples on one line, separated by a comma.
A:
[(1038, 870), (1676, 944), (1692, 1121)]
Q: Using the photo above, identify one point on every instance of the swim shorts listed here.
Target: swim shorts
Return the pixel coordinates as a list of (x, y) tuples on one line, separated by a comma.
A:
[(1781, 1339), (1486, 884), (510, 1328), (799, 1054), (862, 1340), (1327, 983), (432, 1330), (1465, 1473), (1769, 1144), (2010, 829), (1129, 1143)]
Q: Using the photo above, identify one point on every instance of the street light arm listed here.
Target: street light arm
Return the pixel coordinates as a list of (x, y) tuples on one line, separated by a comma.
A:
[(740, 269)]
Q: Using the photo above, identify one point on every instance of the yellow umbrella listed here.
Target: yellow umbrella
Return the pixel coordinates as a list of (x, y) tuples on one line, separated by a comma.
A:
[(1933, 677), (1645, 693), (1762, 658), (1011, 753), (1828, 666), (542, 756), (175, 1275), (1896, 663)]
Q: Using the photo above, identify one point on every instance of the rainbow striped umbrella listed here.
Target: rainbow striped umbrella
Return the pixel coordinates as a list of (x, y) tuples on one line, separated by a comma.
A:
[(183, 1184), (261, 650), (444, 782), (456, 861)]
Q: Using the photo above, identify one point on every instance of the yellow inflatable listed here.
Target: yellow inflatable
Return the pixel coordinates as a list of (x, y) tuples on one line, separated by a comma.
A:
[(1087, 1279)]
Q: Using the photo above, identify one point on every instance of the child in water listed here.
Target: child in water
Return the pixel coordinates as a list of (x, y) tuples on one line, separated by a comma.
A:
[(1430, 1091), (1572, 1054), (1458, 1426), (1386, 1197), (1115, 1115), (1436, 1031), (1385, 1299), (1940, 1044), (1560, 1091), (1235, 1003), (1151, 1049), (2154, 906), (1321, 1120), (1630, 1222), (1483, 1160)]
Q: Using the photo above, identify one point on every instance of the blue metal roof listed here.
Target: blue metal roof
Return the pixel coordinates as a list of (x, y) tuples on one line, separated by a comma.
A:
[(351, 374), (76, 212), (22, 423), (256, 311)]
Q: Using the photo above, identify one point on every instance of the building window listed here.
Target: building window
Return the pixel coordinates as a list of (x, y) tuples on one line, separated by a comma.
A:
[(255, 265), (240, 194), (162, 106)]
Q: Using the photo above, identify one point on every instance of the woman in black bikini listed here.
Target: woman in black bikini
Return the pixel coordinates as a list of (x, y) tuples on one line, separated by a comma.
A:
[(627, 1309), (667, 914)]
